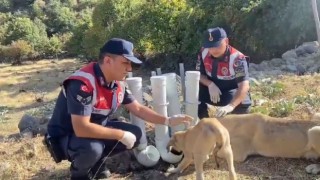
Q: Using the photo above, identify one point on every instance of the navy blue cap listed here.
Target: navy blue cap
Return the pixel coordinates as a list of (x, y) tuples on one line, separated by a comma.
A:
[(213, 37), (120, 47)]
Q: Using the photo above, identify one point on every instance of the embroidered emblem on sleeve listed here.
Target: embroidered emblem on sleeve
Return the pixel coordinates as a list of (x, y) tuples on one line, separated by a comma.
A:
[(84, 88), (84, 100), (239, 67), (84, 95)]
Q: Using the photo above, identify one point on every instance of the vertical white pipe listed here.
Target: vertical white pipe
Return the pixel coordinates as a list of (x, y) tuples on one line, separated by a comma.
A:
[(183, 87), (173, 98), (316, 17), (158, 84), (153, 73), (192, 94), (135, 86), (158, 71), (130, 74), (146, 155)]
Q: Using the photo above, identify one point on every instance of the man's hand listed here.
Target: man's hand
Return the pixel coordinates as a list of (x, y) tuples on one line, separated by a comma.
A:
[(222, 111), (214, 92), (178, 119), (128, 139)]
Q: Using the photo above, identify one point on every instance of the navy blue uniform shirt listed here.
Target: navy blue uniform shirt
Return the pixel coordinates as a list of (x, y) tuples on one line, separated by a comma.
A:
[(241, 71), (79, 102)]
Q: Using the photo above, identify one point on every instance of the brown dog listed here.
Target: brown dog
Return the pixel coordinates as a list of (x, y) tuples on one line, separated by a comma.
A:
[(272, 137), (198, 142)]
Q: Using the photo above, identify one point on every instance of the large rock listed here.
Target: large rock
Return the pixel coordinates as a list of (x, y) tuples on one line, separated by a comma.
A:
[(29, 124), (311, 47), (291, 61), (291, 68), (289, 54), (276, 62), (300, 51), (301, 70), (307, 48)]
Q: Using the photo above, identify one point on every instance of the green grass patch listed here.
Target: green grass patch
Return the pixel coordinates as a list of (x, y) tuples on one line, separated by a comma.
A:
[(282, 108)]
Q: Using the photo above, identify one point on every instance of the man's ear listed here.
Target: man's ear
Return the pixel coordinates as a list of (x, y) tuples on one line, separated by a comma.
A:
[(107, 60), (227, 41)]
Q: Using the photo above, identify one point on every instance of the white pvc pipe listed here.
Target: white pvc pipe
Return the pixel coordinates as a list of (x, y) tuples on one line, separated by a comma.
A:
[(158, 84), (158, 71), (192, 94), (183, 87), (173, 98), (153, 73), (146, 155)]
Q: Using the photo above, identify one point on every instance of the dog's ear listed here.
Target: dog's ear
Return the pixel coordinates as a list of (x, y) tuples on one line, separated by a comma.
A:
[(211, 110)]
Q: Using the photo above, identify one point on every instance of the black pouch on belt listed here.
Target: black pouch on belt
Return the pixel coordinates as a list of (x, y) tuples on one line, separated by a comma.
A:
[(54, 148)]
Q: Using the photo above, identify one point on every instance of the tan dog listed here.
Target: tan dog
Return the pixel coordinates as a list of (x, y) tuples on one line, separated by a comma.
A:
[(272, 137), (198, 142)]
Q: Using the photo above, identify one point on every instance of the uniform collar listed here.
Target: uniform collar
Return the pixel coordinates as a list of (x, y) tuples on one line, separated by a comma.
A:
[(101, 79)]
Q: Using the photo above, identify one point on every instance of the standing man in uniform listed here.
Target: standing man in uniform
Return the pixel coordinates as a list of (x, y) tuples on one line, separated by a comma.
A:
[(224, 79), (80, 129)]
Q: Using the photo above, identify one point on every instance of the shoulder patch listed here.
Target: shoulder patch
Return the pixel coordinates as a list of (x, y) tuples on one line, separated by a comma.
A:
[(84, 95), (84, 100), (84, 88)]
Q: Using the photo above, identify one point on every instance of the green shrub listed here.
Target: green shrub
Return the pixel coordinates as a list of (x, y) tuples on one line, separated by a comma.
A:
[(175, 27), (260, 109), (5, 5), (271, 90), (54, 46), (60, 18), (165, 32), (282, 108), (17, 51), (34, 32), (310, 99)]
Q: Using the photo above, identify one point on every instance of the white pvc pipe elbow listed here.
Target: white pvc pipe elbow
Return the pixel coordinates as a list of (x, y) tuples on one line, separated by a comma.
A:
[(158, 84), (166, 155), (192, 94), (146, 155)]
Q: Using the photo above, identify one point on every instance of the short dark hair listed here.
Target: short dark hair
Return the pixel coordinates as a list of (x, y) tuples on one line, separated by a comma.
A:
[(102, 55)]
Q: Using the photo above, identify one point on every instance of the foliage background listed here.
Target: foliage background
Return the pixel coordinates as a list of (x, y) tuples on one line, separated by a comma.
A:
[(165, 32)]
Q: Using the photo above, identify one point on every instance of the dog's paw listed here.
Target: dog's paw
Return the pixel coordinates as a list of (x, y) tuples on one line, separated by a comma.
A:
[(172, 170), (313, 168), (199, 176)]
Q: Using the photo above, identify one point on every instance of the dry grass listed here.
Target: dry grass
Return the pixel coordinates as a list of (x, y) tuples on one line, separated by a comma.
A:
[(30, 86), (29, 159), (34, 85)]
